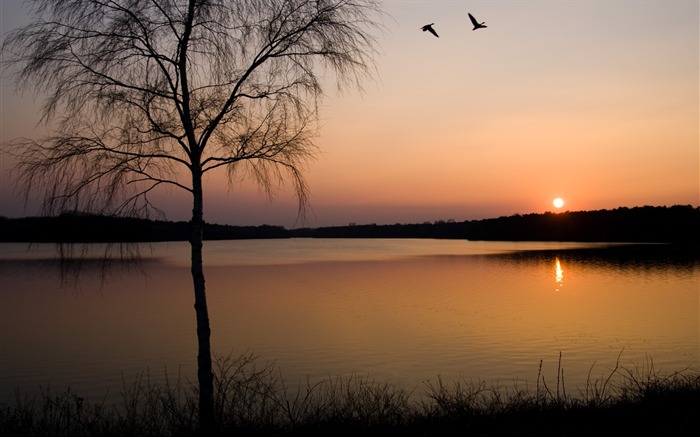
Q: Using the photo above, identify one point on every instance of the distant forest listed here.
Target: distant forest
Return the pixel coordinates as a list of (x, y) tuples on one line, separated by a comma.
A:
[(658, 224)]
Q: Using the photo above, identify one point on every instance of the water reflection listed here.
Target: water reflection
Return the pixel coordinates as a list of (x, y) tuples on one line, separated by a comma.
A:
[(401, 311), (629, 259), (559, 274)]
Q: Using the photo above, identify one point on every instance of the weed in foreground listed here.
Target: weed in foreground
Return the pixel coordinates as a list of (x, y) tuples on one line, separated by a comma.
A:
[(253, 399)]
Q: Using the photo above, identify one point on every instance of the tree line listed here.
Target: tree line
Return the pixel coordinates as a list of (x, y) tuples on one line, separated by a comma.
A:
[(90, 228), (675, 224), (651, 224)]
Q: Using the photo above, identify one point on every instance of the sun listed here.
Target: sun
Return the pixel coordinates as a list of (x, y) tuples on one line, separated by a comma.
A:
[(558, 202)]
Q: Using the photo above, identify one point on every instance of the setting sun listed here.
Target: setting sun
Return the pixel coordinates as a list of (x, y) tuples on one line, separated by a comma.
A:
[(558, 202)]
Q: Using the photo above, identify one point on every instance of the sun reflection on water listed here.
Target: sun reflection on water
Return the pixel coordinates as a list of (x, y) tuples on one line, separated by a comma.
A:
[(559, 274)]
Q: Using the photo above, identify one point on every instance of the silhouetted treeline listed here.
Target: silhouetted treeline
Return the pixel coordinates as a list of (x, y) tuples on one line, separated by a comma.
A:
[(675, 224), (79, 228)]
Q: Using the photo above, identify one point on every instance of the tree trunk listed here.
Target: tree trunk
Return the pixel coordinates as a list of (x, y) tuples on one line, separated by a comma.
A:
[(204, 367)]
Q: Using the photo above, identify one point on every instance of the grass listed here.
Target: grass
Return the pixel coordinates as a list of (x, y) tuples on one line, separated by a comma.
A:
[(253, 400)]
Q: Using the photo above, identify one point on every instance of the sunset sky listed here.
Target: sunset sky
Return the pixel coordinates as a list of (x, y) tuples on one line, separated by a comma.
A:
[(596, 102)]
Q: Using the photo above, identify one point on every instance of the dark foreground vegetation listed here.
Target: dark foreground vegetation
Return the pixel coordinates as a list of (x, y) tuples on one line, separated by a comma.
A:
[(252, 400), (678, 224)]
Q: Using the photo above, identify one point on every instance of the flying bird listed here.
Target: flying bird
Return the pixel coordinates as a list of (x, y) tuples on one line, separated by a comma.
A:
[(476, 24), (429, 28)]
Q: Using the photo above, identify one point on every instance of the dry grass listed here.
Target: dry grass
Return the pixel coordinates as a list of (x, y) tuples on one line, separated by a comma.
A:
[(253, 399)]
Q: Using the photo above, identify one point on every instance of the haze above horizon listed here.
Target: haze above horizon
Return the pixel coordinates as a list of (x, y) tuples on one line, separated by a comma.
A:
[(596, 103)]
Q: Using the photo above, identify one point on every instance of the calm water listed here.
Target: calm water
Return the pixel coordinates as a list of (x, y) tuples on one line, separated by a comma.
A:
[(397, 311)]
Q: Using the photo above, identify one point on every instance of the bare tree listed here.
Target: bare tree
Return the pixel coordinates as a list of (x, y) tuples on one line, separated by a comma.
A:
[(148, 93)]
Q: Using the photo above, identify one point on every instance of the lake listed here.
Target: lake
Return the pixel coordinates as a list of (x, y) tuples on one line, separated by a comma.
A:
[(403, 312)]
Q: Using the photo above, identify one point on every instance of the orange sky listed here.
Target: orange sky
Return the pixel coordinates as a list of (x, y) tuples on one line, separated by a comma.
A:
[(595, 102)]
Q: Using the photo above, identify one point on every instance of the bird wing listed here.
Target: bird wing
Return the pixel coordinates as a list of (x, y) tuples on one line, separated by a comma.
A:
[(431, 30), (471, 17)]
